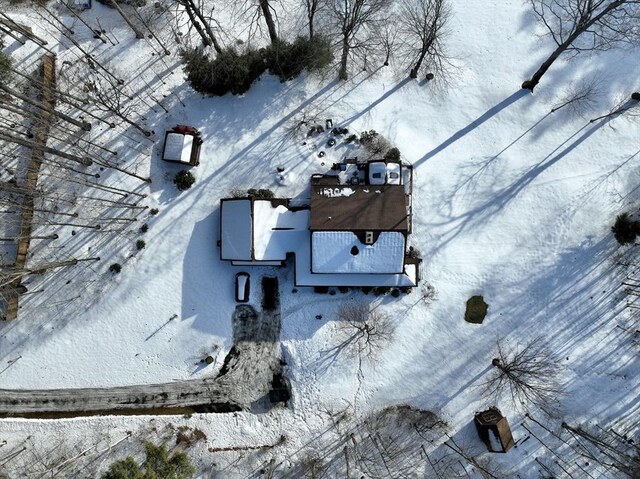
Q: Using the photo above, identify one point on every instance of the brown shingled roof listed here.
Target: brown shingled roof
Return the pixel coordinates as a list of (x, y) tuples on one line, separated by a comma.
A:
[(368, 208)]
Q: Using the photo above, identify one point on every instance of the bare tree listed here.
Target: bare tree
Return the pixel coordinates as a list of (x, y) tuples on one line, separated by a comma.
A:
[(423, 25), (267, 13), (607, 447), (584, 25), (364, 330), (202, 23), (356, 21), (124, 16), (311, 7), (530, 374)]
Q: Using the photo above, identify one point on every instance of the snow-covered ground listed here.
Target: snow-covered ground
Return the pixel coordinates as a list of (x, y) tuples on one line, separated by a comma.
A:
[(510, 201)]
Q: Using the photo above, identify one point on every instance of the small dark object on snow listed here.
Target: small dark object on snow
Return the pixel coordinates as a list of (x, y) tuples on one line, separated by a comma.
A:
[(280, 169), (625, 230), (321, 154), (476, 310), (429, 76), (635, 96), (331, 142), (318, 317), (115, 268), (208, 360), (270, 293)]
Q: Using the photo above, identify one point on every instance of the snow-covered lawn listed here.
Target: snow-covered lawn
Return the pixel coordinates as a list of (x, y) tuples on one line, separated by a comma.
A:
[(510, 201)]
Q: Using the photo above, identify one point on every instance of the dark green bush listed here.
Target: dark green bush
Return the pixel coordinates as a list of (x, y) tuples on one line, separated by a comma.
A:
[(140, 244), (261, 194), (381, 290), (233, 72), (115, 268), (229, 72), (154, 211), (288, 60), (159, 465), (144, 228), (184, 180), (393, 154), (625, 230)]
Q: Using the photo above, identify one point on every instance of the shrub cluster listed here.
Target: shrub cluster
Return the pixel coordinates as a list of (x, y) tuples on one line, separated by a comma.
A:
[(288, 60), (229, 72), (625, 229), (393, 154), (184, 180), (235, 72), (261, 194), (134, 3)]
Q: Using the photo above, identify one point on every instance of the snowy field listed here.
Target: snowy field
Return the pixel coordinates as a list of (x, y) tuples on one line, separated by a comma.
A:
[(510, 202)]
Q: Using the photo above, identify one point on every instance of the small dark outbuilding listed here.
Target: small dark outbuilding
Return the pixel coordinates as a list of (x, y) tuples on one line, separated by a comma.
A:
[(493, 428)]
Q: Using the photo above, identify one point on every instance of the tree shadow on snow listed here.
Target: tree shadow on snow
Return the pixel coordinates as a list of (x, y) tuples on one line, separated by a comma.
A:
[(491, 112)]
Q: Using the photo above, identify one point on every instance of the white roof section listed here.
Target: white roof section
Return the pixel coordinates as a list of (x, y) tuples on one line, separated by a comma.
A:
[(277, 231), (332, 252), (236, 229), (178, 147)]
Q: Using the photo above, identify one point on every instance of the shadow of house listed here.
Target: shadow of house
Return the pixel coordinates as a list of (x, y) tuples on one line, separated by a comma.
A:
[(202, 293)]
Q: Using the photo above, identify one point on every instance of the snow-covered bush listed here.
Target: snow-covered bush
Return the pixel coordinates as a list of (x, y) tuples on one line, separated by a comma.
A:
[(625, 229), (374, 142), (184, 180)]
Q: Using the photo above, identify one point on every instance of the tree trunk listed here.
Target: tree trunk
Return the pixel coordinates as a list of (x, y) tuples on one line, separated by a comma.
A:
[(212, 38), (46, 149), (582, 25), (311, 13), (416, 68), (80, 124), (342, 74), (187, 7), (268, 18), (136, 30)]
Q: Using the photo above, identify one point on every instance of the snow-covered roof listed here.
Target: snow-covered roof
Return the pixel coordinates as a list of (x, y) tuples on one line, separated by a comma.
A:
[(236, 229), (178, 147), (277, 230), (342, 252)]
